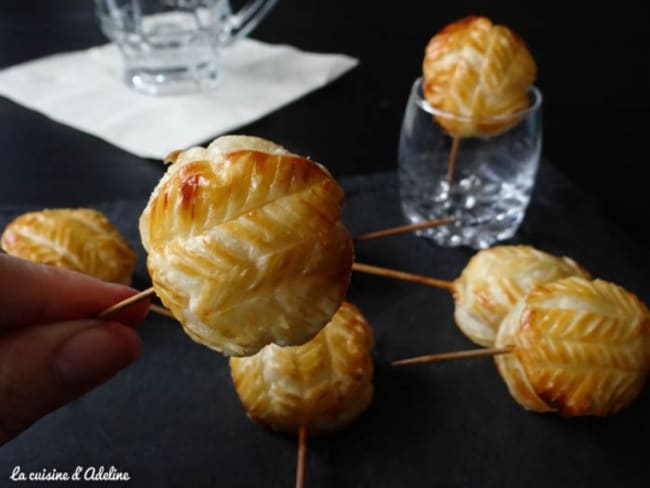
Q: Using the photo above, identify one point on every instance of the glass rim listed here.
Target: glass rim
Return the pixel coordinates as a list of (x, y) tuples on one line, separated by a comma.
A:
[(421, 102)]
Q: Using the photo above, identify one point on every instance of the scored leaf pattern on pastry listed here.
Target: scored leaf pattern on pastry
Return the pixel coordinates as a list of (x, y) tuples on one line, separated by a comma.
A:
[(248, 248), (495, 279), (323, 384), (475, 70), (583, 346), (78, 239), (511, 369)]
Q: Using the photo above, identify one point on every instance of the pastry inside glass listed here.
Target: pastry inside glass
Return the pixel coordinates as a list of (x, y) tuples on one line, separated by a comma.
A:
[(470, 140), (479, 73)]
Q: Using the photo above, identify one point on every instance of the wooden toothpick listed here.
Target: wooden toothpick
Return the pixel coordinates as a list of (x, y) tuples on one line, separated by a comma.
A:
[(138, 297), (302, 454), (161, 311), (445, 356), (453, 156), (400, 275), (403, 228)]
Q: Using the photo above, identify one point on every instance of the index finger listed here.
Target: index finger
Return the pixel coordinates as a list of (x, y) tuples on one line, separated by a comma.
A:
[(32, 293)]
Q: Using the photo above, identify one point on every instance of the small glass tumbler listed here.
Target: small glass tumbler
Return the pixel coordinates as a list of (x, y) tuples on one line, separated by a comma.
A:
[(483, 182), (172, 47)]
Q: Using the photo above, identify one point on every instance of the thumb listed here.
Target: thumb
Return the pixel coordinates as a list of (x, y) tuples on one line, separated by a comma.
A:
[(47, 366)]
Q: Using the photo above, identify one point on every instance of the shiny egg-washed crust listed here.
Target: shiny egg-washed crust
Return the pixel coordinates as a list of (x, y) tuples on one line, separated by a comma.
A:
[(580, 347), (324, 384), (476, 71), (223, 145), (495, 279), (246, 247), (80, 239)]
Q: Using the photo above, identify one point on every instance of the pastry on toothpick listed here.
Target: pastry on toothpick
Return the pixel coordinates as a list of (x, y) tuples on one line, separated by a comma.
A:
[(246, 246), (573, 346), (579, 347), (322, 385), (79, 239), (479, 74), (496, 278), (491, 283)]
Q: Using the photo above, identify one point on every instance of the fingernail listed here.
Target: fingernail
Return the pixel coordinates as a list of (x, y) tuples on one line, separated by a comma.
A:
[(95, 354)]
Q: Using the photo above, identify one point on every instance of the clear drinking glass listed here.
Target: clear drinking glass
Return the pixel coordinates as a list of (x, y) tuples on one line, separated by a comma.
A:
[(172, 47), (488, 187)]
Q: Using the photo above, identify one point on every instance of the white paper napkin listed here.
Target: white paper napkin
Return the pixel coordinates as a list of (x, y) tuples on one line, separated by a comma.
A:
[(84, 89)]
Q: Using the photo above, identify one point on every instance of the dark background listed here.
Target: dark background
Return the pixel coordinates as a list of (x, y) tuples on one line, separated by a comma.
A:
[(593, 70)]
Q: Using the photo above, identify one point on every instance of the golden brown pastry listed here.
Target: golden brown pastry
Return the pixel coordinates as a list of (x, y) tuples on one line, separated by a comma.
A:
[(495, 279), (580, 347), (324, 384), (79, 239), (245, 245), (475, 70)]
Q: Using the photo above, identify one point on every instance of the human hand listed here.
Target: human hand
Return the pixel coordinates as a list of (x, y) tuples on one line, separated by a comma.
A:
[(51, 349)]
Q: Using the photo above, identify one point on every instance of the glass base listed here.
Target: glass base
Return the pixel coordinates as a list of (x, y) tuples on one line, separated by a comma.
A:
[(475, 235), (482, 180), (486, 209), (173, 81)]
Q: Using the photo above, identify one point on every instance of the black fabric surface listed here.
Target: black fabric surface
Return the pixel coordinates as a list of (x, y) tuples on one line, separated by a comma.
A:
[(173, 419)]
